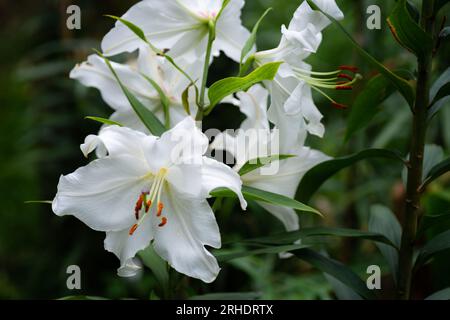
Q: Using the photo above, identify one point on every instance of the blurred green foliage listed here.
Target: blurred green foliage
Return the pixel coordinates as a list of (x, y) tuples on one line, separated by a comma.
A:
[(42, 125)]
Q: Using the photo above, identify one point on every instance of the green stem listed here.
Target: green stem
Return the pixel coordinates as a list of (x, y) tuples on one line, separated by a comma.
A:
[(211, 38), (415, 169)]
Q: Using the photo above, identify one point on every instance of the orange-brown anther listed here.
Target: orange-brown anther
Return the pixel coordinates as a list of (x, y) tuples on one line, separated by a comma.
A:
[(345, 76), (148, 205), (343, 87), (349, 68), (138, 206), (160, 209), (339, 106), (133, 229), (163, 222)]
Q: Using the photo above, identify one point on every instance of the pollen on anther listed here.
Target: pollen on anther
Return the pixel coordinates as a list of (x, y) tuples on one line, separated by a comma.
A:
[(349, 68), (133, 229), (344, 87), (148, 205), (345, 76), (160, 209), (163, 222)]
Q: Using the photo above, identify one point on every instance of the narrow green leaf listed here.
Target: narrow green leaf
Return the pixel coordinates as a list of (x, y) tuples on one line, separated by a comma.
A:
[(436, 172), (261, 162), (440, 295), (383, 221), (265, 196), (368, 102), (226, 255), (136, 30), (436, 245), (147, 117), (158, 266), (400, 84), (228, 296), (249, 44), (337, 270), (342, 291), (315, 177), (304, 233), (104, 121), (165, 102), (225, 87), (407, 32), (439, 93), (39, 202), (440, 4), (430, 221), (185, 100)]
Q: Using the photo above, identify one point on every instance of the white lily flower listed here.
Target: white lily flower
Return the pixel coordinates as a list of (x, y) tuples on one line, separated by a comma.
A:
[(151, 191), (182, 27), (291, 89), (244, 147), (95, 73)]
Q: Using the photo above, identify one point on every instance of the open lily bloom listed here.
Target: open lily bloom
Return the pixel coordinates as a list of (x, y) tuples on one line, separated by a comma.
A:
[(182, 27), (146, 191), (256, 140), (95, 73), (291, 89)]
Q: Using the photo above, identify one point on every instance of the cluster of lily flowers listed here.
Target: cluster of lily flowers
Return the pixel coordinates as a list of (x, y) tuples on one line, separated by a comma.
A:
[(143, 190)]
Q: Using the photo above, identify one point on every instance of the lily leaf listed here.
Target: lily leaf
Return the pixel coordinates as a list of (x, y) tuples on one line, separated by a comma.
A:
[(165, 102), (436, 245), (337, 270), (437, 171), (265, 196), (439, 94), (290, 237), (250, 43), (104, 121), (383, 221), (225, 87), (226, 255), (261, 162), (147, 117), (430, 221), (407, 32), (368, 102), (315, 177), (400, 84), (158, 266)]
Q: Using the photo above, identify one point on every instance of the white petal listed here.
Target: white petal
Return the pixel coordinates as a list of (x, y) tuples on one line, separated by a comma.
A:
[(287, 216), (231, 35), (190, 226), (253, 104), (117, 141), (184, 143), (95, 73), (164, 23), (216, 175), (125, 247), (102, 194)]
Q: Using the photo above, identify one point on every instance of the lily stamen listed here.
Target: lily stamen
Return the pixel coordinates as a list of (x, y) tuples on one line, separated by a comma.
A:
[(163, 222), (155, 194)]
